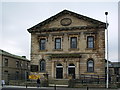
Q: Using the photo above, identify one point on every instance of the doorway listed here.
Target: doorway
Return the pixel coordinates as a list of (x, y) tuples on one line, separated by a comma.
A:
[(71, 70), (59, 71)]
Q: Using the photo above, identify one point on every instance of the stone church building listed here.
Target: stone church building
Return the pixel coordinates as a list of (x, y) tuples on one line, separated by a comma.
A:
[(68, 44)]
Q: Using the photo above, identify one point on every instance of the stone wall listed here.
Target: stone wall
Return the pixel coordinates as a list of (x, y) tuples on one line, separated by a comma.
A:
[(9, 72), (97, 53)]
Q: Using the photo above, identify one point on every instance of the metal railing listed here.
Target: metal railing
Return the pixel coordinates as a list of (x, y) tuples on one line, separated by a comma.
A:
[(85, 78)]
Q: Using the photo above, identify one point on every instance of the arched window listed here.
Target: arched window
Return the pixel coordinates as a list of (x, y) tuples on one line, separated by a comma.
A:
[(42, 65), (71, 65), (90, 65), (59, 65)]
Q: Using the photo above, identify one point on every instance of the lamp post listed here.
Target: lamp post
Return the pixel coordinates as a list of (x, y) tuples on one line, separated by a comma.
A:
[(107, 80)]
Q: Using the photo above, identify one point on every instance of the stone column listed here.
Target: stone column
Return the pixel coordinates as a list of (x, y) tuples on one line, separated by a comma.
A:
[(77, 71), (65, 70), (65, 42), (53, 68)]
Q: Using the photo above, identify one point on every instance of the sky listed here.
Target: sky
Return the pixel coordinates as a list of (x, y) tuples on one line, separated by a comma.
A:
[(17, 17)]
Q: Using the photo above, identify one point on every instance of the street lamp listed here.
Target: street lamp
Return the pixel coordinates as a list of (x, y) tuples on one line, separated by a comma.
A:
[(107, 80)]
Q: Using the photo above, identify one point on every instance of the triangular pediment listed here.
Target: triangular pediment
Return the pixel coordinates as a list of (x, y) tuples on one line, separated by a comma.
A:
[(67, 19)]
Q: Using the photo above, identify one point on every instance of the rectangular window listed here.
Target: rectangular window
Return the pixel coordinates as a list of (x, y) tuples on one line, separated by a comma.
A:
[(42, 44), (6, 62), (21, 65), (57, 43), (27, 65), (17, 64), (17, 75), (6, 72), (90, 42), (73, 42), (116, 70)]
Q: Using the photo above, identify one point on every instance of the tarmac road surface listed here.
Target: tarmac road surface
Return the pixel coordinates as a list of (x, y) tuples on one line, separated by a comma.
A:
[(51, 88), (26, 89)]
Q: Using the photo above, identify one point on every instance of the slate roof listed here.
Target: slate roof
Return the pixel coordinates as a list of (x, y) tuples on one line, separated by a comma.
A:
[(2, 52), (99, 23)]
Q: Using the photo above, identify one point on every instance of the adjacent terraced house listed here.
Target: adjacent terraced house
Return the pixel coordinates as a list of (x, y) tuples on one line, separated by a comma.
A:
[(68, 45), (13, 67)]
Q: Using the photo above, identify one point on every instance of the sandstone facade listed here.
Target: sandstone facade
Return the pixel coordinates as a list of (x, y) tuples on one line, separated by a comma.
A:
[(65, 61)]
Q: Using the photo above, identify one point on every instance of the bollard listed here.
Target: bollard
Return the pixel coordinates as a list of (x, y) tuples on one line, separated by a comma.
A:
[(87, 88), (55, 87), (26, 86)]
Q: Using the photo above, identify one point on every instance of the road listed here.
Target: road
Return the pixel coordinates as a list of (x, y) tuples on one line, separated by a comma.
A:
[(25, 89), (51, 88)]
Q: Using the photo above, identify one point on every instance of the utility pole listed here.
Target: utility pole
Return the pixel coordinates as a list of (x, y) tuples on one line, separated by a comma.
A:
[(107, 80)]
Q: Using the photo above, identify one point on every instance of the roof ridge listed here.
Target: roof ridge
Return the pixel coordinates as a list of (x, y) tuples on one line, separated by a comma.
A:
[(3, 52)]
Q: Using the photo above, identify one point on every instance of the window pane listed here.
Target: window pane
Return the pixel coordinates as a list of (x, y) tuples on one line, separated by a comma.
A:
[(73, 42), (58, 43), (90, 42), (58, 40), (6, 62), (17, 64), (42, 44), (17, 75), (90, 66), (90, 69), (42, 66)]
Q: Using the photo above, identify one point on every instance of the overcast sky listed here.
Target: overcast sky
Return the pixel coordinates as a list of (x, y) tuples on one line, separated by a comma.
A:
[(17, 17)]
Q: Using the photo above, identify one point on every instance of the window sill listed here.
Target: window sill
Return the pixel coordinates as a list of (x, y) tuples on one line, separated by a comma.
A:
[(91, 72), (90, 49), (43, 50), (57, 49), (73, 49)]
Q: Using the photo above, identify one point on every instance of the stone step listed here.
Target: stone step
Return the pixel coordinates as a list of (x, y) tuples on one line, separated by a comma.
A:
[(52, 85)]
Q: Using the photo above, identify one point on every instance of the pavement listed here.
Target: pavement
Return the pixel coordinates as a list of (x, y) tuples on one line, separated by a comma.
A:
[(48, 88)]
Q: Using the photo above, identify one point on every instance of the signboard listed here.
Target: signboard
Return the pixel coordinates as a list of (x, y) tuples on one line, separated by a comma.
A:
[(34, 68), (34, 76)]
